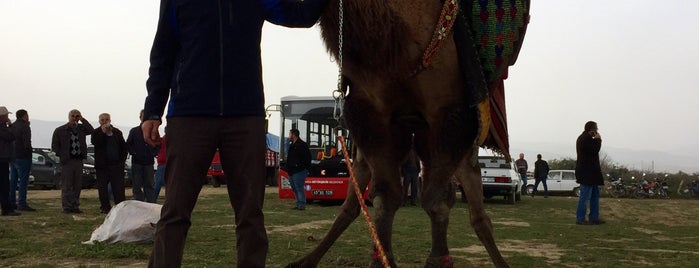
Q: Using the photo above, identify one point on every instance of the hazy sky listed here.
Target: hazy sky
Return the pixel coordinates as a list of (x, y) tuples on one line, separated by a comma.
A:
[(630, 65)]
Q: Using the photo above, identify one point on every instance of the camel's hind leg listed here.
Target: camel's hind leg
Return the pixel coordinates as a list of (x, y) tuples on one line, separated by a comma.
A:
[(348, 213), (468, 173)]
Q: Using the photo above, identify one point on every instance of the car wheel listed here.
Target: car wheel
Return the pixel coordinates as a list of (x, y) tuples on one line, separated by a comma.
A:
[(518, 196), (512, 198), (576, 191)]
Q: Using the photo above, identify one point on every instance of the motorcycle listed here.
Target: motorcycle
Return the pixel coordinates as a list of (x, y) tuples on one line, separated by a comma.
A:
[(691, 189), (644, 189), (616, 188), (662, 189)]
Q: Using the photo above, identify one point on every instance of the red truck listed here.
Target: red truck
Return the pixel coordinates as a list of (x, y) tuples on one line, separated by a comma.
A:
[(328, 178), (215, 173)]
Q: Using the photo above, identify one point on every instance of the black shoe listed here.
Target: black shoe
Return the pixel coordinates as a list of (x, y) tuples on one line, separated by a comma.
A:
[(25, 208), (302, 208), (66, 211), (582, 223), (597, 222), (11, 213), (76, 211), (105, 211)]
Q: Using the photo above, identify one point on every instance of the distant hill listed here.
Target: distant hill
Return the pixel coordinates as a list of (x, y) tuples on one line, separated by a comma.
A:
[(632, 158)]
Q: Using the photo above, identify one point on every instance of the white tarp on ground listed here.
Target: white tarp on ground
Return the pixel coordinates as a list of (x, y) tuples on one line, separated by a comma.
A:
[(130, 221)]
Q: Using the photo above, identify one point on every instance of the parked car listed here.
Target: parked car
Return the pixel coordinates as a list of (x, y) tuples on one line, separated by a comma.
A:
[(558, 181), (46, 171), (500, 178)]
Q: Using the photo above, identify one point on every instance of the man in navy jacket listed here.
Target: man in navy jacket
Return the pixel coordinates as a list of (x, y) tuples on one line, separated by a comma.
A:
[(206, 60)]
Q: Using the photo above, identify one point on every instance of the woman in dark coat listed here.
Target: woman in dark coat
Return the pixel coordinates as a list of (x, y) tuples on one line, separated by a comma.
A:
[(588, 173)]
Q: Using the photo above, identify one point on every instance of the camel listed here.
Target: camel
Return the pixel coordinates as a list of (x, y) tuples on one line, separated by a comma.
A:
[(396, 101)]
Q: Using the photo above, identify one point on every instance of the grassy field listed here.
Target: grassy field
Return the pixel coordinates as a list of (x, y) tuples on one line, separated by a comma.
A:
[(537, 232)]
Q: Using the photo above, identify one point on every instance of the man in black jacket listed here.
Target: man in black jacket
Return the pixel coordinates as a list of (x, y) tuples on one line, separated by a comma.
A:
[(69, 143), (541, 173), (19, 175), (588, 173), (142, 161), (110, 158), (206, 66), (6, 139), (298, 161)]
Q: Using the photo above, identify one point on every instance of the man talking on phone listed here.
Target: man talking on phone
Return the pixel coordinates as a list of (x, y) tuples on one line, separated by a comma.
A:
[(589, 174)]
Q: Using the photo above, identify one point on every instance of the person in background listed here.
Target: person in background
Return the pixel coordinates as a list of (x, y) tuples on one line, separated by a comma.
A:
[(271, 161), (22, 164), (541, 172), (271, 165), (69, 143), (110, 158), (160, 171), (6, 140), (298, 160), (522, 168), (206, 67), (588, 173), (410, 169), (142, 160)]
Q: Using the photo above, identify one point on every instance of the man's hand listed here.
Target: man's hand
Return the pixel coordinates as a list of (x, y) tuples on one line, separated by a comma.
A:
[(151, 134), (597, 135), (105, 128)]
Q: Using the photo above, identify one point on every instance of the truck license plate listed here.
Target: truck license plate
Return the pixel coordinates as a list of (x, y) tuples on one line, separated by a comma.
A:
[(322, 192)]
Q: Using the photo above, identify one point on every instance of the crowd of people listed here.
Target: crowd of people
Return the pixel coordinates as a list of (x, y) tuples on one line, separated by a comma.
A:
[(70, 143)]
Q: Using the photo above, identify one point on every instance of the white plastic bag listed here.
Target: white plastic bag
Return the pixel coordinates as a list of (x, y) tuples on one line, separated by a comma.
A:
[(130, 221)]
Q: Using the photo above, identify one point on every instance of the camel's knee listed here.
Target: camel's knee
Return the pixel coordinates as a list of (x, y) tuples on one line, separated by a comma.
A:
[(350, 209), (438, 211), (481, 224), (434, 199)]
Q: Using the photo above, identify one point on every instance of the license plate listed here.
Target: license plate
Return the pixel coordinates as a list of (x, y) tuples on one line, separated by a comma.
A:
[(322, 192), (488, 179)]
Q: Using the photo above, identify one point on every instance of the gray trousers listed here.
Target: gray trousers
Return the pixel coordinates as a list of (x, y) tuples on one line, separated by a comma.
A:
[(71, 183), (142, 182), (191, 144)]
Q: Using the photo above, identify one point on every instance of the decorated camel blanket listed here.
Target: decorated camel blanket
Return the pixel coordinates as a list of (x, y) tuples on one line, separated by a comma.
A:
[(497, 28)]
